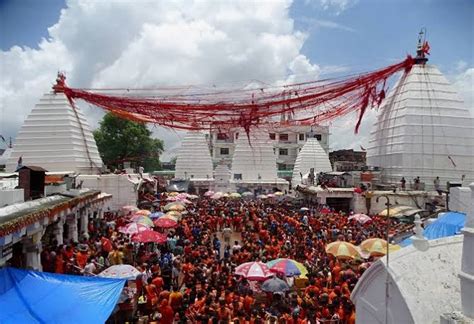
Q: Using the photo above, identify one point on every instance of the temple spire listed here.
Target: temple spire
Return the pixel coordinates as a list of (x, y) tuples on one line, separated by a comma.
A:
[(423, 48)]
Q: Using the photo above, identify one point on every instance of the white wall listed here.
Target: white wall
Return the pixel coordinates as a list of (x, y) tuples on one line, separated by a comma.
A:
[(11, 196), (123, 191)]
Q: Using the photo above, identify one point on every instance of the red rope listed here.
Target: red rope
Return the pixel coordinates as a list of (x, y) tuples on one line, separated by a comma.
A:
[(249, 108)]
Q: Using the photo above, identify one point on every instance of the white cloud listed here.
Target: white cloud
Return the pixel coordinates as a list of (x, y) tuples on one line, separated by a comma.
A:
[(153, 43), (335, 5)]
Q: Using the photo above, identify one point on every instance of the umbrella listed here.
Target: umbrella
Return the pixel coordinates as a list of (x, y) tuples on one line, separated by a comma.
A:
[(178, 206), (271, 196), (247, 194), (304, 208), (143, 212), (120, 271), (132, 228), (288, 267), (209, 193), (275, 285), (174, 214), (342, 250), (149, 236), (143, 220), (400, 211), (361, 218), (172, 194), (184, 201), (192, 197), (168, 216), (174, 198), (278, 193), (217, 195), (129, 208), (375, 246), (235, 195), (262, 197), (253, 271), (165, 223), (156, 215)]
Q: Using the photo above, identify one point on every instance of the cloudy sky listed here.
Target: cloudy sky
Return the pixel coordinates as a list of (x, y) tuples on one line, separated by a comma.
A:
[(143, 43)]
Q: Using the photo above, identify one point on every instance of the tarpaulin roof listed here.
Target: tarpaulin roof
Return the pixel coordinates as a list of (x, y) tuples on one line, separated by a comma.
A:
[(28, 296), (448, 224)]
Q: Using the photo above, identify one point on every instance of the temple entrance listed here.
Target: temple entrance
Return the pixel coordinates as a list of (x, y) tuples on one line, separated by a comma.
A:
[(339, 204)]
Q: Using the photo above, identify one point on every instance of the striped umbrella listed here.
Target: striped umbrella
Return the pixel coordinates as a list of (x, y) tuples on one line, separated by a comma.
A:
[(361, 218), (375, 246), (342, 250), (253, 271), (288, 267), (144, 220), (133, 228), (143, 212)]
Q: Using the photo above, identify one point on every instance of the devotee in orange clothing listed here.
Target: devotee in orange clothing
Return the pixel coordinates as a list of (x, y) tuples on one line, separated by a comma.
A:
[(167, 313)]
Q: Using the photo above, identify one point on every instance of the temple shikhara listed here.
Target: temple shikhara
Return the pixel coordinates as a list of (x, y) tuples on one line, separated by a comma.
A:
[(259, 220), (423, 129), (56, 137)]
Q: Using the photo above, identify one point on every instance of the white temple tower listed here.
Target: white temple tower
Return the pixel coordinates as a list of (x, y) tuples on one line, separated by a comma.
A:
[(194, 159), (222, 178), (56, 137), (423, 129), (254, 162), (312, 155)]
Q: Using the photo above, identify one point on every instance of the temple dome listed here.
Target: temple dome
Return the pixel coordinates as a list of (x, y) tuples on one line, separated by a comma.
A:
[(312, 155), (194, 159), (55, 138), (254, 158), (423, 129)]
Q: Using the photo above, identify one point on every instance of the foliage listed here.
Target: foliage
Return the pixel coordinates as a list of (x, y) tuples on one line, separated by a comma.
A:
[(120, 140)]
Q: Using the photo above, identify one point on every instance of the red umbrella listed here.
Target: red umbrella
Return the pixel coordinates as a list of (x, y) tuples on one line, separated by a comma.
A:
[(149, 236), (165, 223), (325, 211), (253, 271)]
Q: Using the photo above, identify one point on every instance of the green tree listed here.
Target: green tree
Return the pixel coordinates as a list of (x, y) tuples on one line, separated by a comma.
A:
[(120, 140)]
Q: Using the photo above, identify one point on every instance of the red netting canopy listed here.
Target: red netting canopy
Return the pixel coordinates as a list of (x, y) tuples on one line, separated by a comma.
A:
[(315, 102)]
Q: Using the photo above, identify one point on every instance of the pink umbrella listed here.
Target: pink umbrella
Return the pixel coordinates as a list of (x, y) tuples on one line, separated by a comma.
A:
[(209, 193), (361, 218), (175, 198), (149, 236), (165, 223), (132, 228), (253, 271)]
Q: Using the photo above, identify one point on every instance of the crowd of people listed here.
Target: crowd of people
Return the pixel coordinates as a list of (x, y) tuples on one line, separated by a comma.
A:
[(191, 277)]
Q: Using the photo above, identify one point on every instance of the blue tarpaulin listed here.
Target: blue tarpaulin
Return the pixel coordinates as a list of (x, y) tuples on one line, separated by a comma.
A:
[(28, 296), (448, 224)]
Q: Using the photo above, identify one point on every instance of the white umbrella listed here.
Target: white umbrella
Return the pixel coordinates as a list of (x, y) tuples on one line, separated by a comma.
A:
[(120, 271)]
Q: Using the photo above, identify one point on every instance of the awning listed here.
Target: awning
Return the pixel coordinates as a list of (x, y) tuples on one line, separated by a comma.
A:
[(400, 211)]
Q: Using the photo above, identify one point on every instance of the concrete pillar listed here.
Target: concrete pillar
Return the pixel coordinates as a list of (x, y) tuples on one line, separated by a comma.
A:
[(72, 229), (84, 222), (59, 231), (467, 262), (32, 252)]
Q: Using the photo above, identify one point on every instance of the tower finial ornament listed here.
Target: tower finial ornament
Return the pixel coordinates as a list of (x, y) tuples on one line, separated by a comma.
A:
[(422, 48), (60, 82)]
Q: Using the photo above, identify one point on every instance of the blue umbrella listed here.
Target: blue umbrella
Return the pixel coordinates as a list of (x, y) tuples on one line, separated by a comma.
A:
[(275, 285), (156, 215)]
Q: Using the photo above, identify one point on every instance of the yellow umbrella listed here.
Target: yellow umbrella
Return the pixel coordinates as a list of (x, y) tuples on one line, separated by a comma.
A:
[(278, 193), (172, 194), (342, 250), (174, 213), (175, 218), (177, 207), (235, 195), (142, 212), (375, 246), (393, 247)]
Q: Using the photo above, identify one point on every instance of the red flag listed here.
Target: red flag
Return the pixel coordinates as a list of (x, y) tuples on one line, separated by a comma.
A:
[(426, 48)]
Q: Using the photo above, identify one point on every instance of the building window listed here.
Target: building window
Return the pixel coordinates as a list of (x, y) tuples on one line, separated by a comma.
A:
[(301, 137), (281, 167), (283, 152), (236, 136), (237, 176), (224, 151), (221, 136), (272, 136), (283, 137), (318, 137)]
